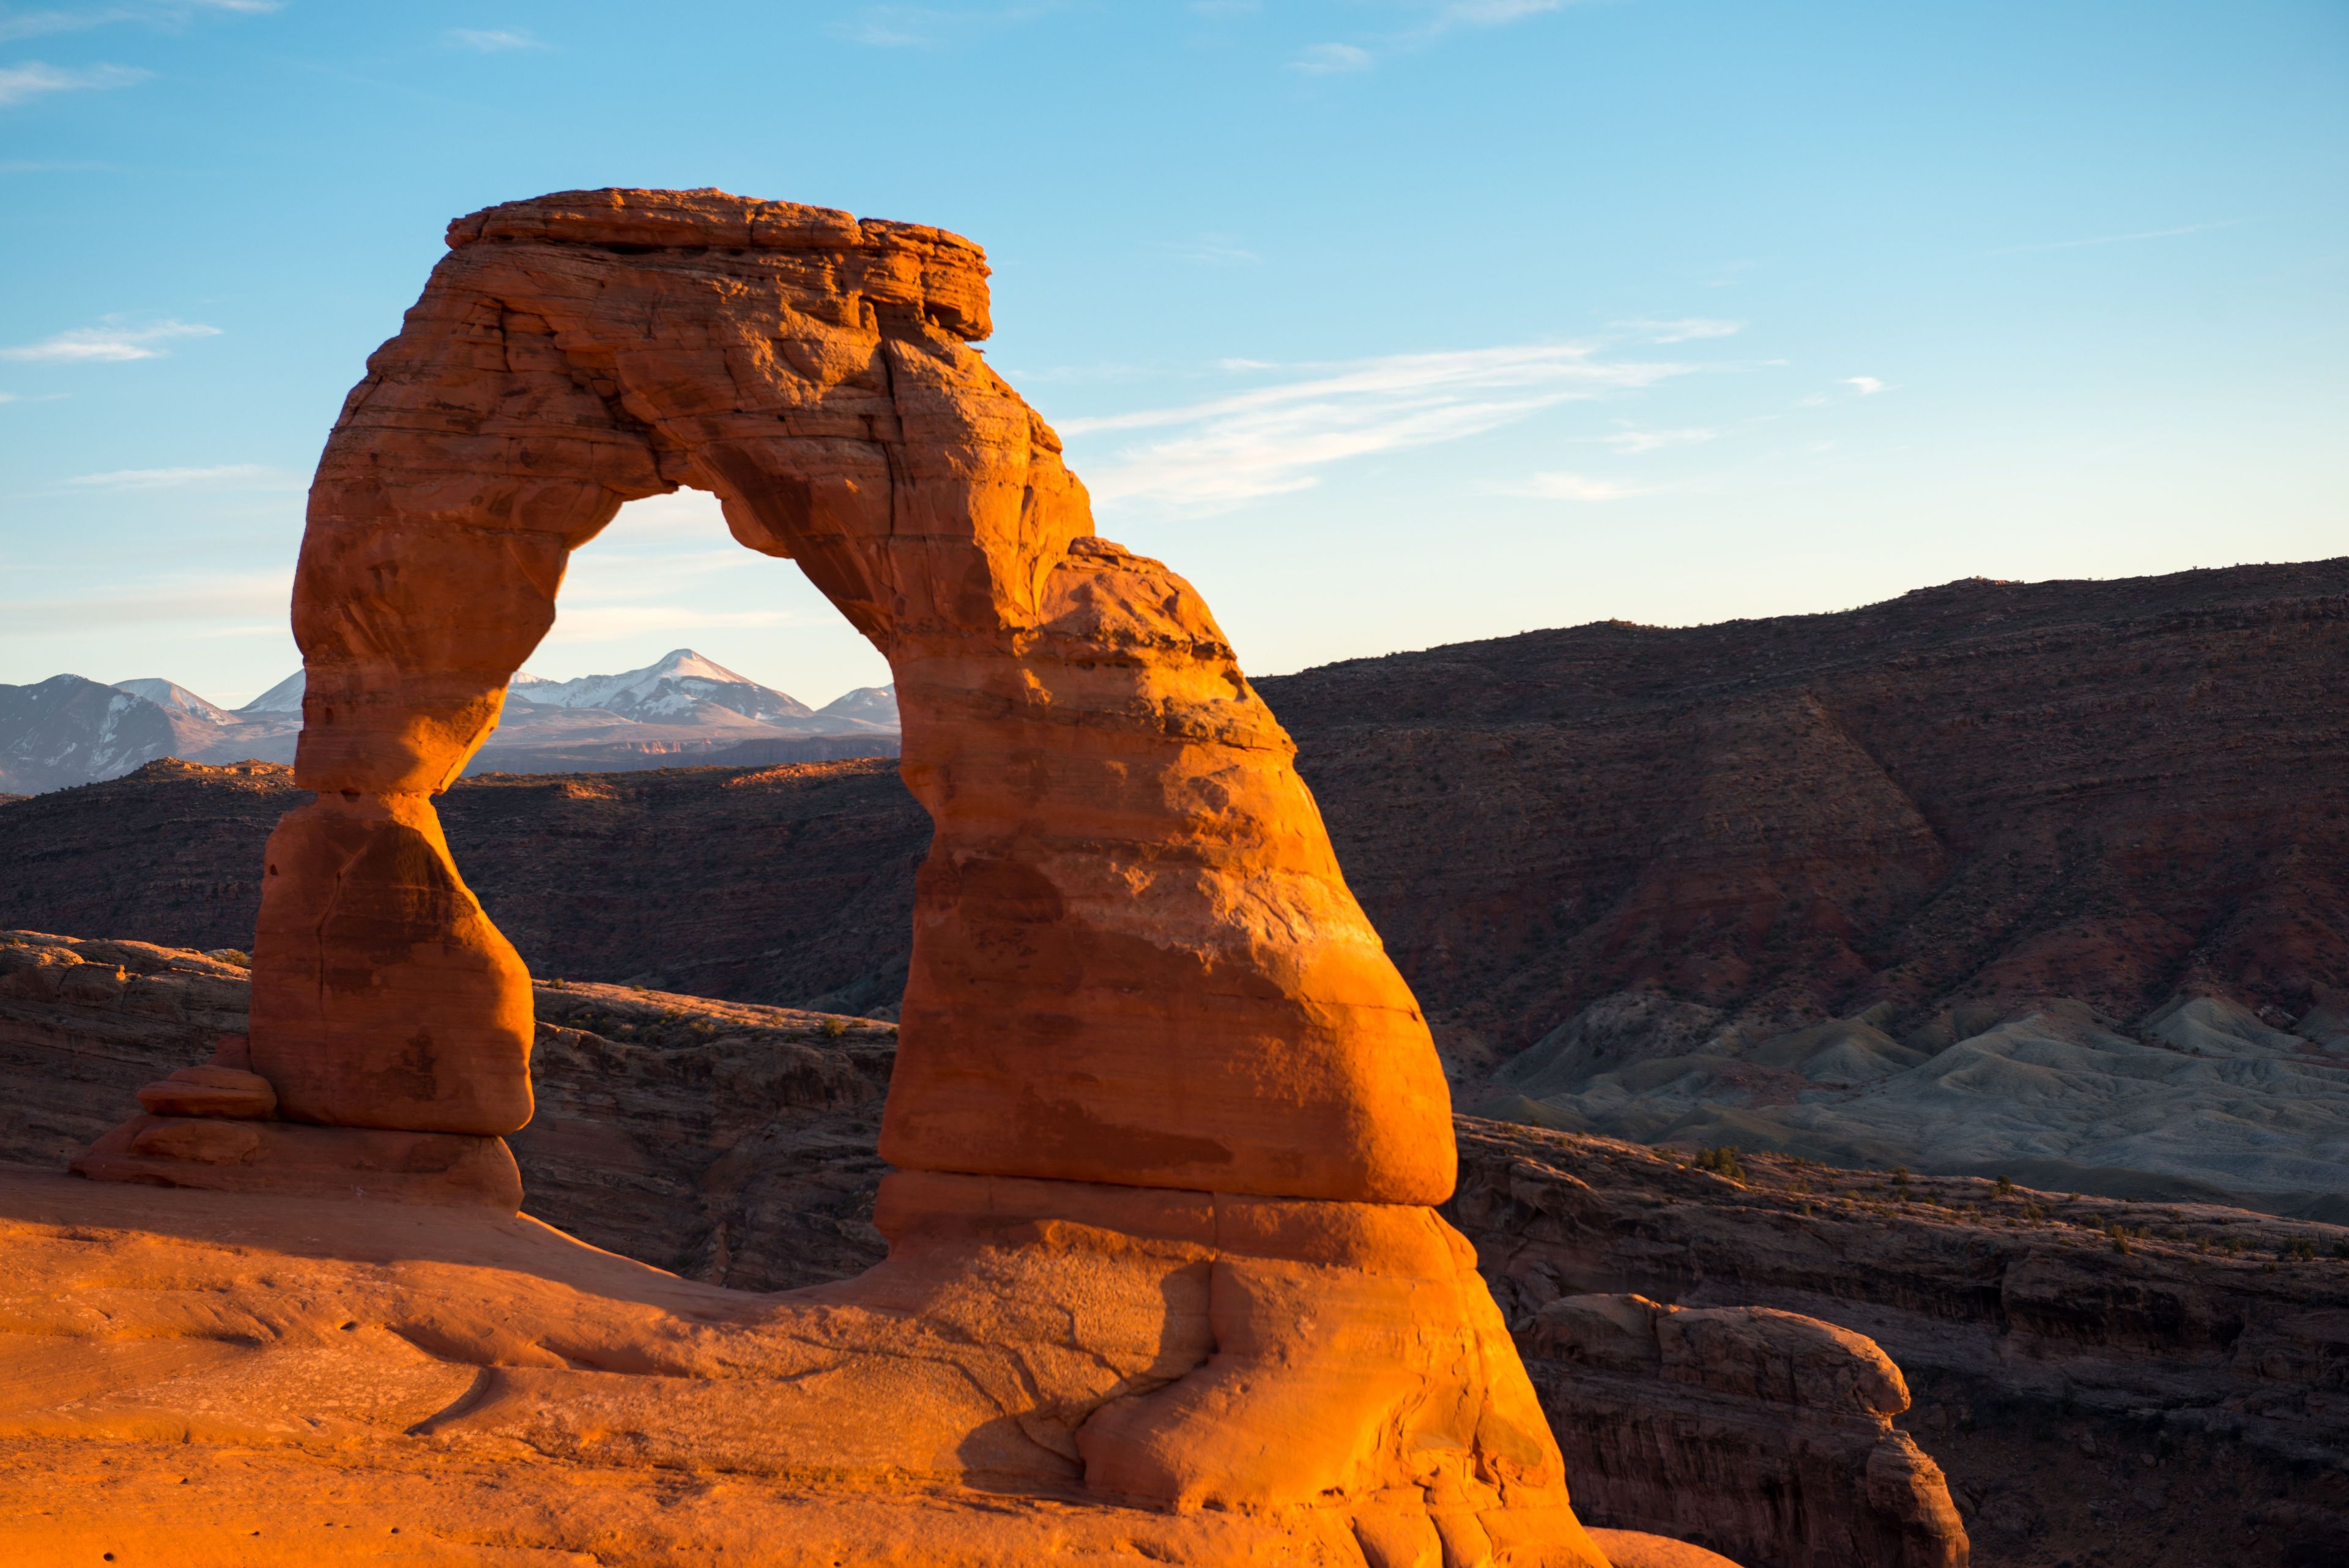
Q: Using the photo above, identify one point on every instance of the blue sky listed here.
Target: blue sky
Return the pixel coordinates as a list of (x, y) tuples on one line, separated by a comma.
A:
[(1387, 322)]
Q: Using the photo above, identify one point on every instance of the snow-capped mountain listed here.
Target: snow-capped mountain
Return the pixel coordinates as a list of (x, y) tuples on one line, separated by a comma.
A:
[(68, 730), (285, 697), (874, 704), (680, 711), (174, 698), (680, 689)]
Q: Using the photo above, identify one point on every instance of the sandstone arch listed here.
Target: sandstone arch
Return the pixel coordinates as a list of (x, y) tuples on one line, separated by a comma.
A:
[(1135, 960), (1165, 1120)]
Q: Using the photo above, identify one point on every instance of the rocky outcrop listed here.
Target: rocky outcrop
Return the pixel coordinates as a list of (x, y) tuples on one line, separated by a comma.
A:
[(2162, 1378), (1165, 1125), (1788, 1418)]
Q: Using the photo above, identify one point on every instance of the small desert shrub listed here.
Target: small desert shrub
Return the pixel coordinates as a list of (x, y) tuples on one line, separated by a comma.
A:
[(2302, 1251), (833, 1028), (1722, 1161), (2006, 1187)]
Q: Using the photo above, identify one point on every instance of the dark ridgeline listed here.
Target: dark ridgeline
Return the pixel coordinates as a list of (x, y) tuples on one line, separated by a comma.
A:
[(2112, 791), (747, 884)]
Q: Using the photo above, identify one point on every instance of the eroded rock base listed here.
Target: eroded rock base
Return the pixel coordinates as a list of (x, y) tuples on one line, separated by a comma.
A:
[(1036, 1363), (290, 1159)]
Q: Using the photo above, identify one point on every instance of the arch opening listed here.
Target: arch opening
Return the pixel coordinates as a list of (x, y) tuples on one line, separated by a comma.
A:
[(1136, 960)]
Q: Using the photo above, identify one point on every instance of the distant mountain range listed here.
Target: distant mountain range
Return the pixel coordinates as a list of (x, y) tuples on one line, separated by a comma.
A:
[(684, 708)]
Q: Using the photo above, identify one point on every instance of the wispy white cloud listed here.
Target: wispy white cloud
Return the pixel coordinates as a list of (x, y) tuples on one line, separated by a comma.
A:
[(1562, 486), (1213, 250), (32, 79), (582, 622), (1458, 14), (168, 14), (1866, 386), (2119, 239), (40, 24), (236, 601), (1633, 442), (1436, 22), (681, 513), (1331, 60), (243, 475), (930, 27), (1275, 440), (494, 40), (1686, 329), (112, 343)]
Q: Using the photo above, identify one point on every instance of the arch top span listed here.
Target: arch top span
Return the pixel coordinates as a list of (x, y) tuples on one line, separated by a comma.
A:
[(941, 275), (1136, 960)]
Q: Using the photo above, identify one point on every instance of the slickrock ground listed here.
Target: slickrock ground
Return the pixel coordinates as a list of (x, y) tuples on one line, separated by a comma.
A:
[(2188, 1392), (198, 1378)]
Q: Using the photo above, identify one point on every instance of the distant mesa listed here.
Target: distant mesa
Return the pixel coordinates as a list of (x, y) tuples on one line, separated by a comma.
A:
[(682, 709)]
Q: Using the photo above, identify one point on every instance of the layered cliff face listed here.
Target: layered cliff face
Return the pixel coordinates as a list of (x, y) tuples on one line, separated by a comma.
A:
[(2114, 792)]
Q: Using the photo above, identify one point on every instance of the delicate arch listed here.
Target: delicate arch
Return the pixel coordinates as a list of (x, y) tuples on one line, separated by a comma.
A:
[(1134, 960)]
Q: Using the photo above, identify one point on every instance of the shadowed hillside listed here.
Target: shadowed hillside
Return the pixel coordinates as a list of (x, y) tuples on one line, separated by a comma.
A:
[(1866, 887), (751, 884)]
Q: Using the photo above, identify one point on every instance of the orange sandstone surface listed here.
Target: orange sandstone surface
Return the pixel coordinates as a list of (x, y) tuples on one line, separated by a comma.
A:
[(1164, 1277)]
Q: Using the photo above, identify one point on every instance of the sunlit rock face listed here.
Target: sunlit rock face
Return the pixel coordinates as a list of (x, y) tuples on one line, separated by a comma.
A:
[(1135, 960), (1166, 1122)]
